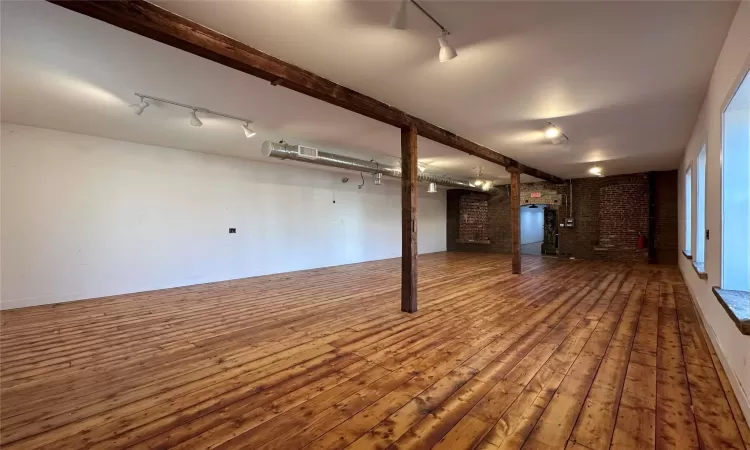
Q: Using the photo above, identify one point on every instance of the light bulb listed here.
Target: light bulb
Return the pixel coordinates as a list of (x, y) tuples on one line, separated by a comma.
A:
[(551, 132)]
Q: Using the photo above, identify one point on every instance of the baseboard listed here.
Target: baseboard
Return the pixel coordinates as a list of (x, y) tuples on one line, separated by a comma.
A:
[(739, 392)]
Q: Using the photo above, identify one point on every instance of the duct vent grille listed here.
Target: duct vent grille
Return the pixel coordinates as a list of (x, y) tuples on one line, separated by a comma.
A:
[(308, 152)]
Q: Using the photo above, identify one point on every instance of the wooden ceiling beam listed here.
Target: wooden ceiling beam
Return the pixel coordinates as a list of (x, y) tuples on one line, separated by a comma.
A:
[(151, 21)]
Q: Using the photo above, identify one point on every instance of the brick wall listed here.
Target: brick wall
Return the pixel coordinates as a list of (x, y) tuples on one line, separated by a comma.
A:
[(609, 214), (473, 220), (623, 217)]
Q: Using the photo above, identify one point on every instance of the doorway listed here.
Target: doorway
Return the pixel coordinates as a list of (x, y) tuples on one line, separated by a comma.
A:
[(538, 230), (532, 229)]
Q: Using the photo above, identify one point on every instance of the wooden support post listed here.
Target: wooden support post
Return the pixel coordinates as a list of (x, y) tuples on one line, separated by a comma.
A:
[(409, 219), (515, 217)]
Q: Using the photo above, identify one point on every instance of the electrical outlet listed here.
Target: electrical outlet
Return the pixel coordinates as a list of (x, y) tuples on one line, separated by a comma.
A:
[(232, 230)]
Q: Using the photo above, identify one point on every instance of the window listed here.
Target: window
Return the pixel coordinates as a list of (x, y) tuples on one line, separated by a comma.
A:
[(700, 205), (688, 211), (735, 254)]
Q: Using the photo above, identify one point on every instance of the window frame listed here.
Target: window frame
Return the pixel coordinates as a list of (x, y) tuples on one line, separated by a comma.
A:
[(740, 314), (739, 80), (701, 164), (687, 243)]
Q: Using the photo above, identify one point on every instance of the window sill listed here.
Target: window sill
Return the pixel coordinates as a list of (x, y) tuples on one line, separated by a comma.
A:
[(687, 255), (700, 269), (737, 305)]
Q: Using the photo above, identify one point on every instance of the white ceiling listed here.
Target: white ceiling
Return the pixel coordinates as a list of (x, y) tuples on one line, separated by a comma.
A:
[(624, 80)]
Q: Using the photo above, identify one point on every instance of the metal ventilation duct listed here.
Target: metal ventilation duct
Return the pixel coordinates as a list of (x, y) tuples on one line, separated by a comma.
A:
[(304, 154)]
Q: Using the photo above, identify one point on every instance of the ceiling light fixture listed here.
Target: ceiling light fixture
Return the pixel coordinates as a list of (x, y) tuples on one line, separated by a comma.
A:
[(139, 107), (554, 134), (447, 52), (596, 171), (194, 120), (399, 22), (487, 186), (431, 188), (551, 131), (248, 131)]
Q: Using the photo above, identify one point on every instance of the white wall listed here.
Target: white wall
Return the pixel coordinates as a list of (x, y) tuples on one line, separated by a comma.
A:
[(86, 217), (733, 347), (532, 225)]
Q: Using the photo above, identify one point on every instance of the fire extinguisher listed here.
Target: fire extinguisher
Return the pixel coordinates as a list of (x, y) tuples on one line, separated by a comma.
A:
[(642, 241)]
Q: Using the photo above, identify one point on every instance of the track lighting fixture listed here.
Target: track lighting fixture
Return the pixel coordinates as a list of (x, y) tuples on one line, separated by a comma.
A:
[(447, 52), (554, 134), (431, 188), (194, 120), (139, 107), (248, 131), (377, 179), (399, 22), (479, 182), (551, 131)]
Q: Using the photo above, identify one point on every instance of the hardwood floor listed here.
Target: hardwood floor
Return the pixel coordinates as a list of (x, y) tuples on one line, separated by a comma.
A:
[(571, 354)]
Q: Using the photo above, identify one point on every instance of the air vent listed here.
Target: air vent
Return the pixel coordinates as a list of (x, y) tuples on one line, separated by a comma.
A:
[(308, 152)]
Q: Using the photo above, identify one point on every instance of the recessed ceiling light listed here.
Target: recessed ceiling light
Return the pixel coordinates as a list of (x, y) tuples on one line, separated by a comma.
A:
[(596, 171)]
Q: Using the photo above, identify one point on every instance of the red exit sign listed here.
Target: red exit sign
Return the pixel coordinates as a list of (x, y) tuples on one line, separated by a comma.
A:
[(536, 195)]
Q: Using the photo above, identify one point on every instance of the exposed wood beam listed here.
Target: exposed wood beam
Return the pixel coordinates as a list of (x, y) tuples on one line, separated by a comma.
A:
[(409, 219), (156, 23), (515, 218)]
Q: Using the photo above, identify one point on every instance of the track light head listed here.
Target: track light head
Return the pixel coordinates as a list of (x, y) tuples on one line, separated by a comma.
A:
[(248, 131), (551, 131), (139, 107), (596, 171), (431, 188), (447, 52), (194, 120), (398, 21)]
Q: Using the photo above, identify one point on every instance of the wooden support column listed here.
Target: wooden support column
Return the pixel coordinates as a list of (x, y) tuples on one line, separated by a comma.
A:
[(515, 217), (409, 219)]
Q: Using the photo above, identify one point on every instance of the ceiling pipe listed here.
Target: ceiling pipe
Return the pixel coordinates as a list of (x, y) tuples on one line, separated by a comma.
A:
[(282, 150)]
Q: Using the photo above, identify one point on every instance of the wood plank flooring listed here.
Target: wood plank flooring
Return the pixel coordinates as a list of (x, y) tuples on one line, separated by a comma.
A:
[(571, 354)]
